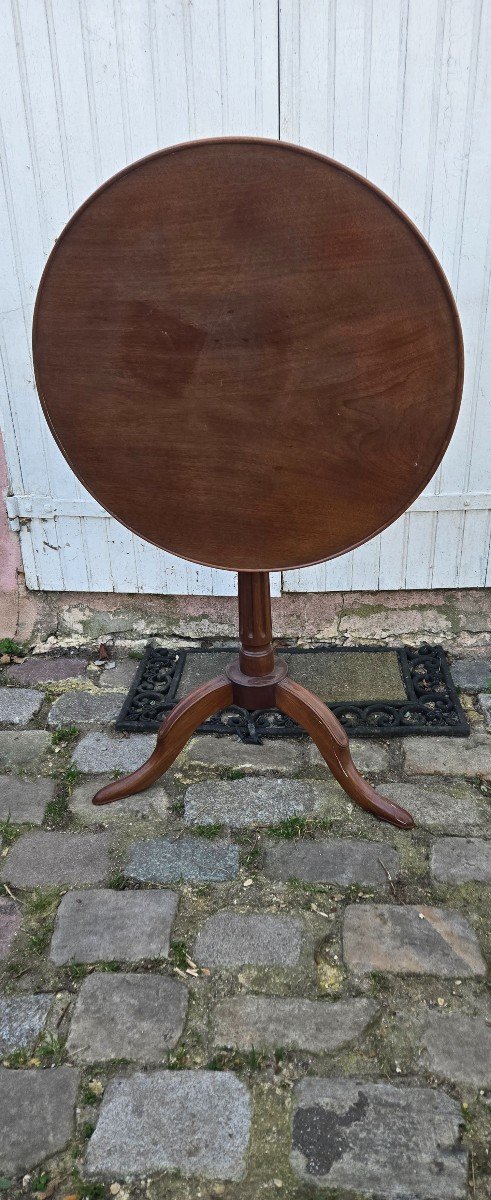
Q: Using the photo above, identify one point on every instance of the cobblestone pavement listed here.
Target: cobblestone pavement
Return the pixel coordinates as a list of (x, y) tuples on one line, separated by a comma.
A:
[(238, 984)]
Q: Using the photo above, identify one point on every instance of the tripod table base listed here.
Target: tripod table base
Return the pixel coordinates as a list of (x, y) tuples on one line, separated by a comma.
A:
[(293, 700)]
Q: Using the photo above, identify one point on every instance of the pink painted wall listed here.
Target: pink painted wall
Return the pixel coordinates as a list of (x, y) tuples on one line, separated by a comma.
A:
[(10, 559)]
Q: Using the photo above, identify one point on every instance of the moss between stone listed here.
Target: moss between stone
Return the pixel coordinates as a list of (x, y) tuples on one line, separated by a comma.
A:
[(9, 831), (387, 1050)]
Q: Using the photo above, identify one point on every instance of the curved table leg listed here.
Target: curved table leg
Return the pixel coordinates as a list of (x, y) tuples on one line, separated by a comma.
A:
[(171, 738), (325, 730)]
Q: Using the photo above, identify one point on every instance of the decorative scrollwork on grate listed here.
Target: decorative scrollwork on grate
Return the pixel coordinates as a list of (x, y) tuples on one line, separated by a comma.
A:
[(432, 705)]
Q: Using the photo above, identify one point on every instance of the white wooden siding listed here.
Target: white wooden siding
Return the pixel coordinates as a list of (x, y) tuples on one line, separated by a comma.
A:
[(400, 91), (397, 89)]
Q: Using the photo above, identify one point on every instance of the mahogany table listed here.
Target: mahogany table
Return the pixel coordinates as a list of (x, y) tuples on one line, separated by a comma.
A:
[(251, 358)]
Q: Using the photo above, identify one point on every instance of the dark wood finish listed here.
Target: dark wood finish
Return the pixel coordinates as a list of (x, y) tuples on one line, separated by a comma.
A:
[(173, 734), (255, 625), (256, 672), (331, 739), (250, 357), (257, 680), (247, 354)]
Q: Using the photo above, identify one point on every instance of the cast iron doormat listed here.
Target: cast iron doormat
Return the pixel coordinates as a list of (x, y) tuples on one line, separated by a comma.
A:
[(420, 695)]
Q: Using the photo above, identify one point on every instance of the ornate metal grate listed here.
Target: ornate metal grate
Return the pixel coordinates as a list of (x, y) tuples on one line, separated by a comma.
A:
[(432, 706)]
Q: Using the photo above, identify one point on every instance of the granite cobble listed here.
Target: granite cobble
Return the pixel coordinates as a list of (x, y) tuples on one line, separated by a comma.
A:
[(205, 754), (21, 1020), (466, 757), (378, 1140), (54, 859), (144, 805), (195, 1122), (471, 674), (47, 670), (453, 806), (243, 802), (105, 925), (458, 1048), (167, 860), (369, 757), (22, 748), (98, 752), (18, 705), (24, 801), (137, 1017), (230, 939), (459, 860), (38, 1111), (335, 860), (265, 1022), (410, 940), (85, 708)]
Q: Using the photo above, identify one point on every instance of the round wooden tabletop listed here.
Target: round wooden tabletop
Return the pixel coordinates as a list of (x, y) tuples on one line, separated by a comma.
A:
[(247, 354)]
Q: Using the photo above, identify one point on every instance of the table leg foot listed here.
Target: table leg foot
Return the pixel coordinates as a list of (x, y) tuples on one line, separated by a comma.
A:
[(171, 738), (330, 737)]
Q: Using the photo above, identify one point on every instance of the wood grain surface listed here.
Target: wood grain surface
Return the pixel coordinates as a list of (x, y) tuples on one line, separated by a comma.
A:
[(247, 354)]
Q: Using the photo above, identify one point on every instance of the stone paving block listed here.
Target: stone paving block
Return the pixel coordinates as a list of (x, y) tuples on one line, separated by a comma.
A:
[(230, 939), (22, 748), (98, 752), (458, 860), (451, 806), (52, 859), (21, 1020), (24, 800), (471, 674), (85, 708), (10, 922), (106, 925), (333, 803), (152, 803), (467, 757), (332, 860), (167, 860), (18, 705), (369, 757), (296, 1024), (46, 670), (207, 753), (38, 1109), (138, 1017), (458, 1048), (243, 802), (195, 1122), (120, 676), (377, 1140), (410, 940), (484, 702)]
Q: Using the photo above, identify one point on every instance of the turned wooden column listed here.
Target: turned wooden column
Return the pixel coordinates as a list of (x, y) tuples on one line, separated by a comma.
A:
[(255, 673), (255, 627)]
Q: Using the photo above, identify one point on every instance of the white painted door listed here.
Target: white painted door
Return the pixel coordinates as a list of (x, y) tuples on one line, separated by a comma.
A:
[(86, 87), (397, 89), (400, 90)]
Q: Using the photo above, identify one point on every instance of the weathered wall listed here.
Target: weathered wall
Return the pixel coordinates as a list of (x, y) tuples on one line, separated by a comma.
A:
[(461, 619)]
